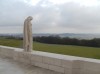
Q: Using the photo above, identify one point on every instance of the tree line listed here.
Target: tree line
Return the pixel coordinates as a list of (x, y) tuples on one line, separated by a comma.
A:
[(68, 41), (63, 41)]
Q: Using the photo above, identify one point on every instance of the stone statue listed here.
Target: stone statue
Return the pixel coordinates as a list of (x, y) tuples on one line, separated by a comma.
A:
[(27, 37)]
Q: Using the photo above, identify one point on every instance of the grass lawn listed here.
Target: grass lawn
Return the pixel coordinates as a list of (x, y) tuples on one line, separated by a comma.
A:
[(81, 51)]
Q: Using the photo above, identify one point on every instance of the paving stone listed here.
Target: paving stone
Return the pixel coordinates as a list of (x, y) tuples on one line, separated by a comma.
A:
[(8, 66)]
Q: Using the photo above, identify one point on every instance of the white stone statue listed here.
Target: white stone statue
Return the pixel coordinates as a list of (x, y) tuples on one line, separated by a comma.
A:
[(27, 37)]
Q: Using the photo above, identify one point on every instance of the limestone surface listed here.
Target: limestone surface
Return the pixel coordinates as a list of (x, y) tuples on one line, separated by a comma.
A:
[(27, 37), (8, 66)]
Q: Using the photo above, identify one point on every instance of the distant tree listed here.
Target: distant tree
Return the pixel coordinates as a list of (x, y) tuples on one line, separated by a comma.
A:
[(68, 41), (59, 40)]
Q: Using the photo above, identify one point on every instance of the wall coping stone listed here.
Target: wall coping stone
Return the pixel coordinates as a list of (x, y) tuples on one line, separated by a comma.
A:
[(54, 55)]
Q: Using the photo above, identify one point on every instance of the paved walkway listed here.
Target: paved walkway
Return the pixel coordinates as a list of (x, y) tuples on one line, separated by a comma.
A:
[(7, 66)]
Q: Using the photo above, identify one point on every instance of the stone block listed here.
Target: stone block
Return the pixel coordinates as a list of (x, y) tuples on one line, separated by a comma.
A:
[(78, 64), (36, 58), (86, 71), (91, 66), (76, 71), (56, 68), (67, 71), (67, 63), (42, 65), (24, 57), (52, 61)]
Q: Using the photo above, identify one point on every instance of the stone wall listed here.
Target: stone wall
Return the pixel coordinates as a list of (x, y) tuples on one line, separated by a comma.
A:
[(56, 62)]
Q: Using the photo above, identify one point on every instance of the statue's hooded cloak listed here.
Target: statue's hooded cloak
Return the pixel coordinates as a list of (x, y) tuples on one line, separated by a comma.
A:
[(27, 37)]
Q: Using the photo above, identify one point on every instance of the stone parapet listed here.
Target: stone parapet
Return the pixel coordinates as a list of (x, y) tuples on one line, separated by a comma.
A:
[(60, 63)]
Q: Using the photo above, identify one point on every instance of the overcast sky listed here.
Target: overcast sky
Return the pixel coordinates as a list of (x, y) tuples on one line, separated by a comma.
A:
[(51, 16)]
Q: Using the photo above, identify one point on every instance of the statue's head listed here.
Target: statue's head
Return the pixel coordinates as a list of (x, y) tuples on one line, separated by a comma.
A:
[(30, 18)]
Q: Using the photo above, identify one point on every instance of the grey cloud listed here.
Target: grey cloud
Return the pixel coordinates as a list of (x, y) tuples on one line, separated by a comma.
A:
[(68, 17), (13, 12), (76, 16)]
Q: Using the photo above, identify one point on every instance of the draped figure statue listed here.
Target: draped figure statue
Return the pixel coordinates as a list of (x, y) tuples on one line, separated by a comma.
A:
[(27, 37)]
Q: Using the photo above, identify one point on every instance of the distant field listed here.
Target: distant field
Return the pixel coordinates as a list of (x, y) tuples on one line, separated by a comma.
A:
[(81, 51)]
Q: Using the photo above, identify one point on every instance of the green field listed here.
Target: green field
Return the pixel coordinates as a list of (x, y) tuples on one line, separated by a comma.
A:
[(81, 51)]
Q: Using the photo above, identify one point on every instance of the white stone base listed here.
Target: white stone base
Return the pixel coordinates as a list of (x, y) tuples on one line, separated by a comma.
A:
[(60, 63)]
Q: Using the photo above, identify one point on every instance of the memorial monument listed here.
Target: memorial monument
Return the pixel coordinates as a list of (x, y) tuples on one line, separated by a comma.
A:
[(27, 37)]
